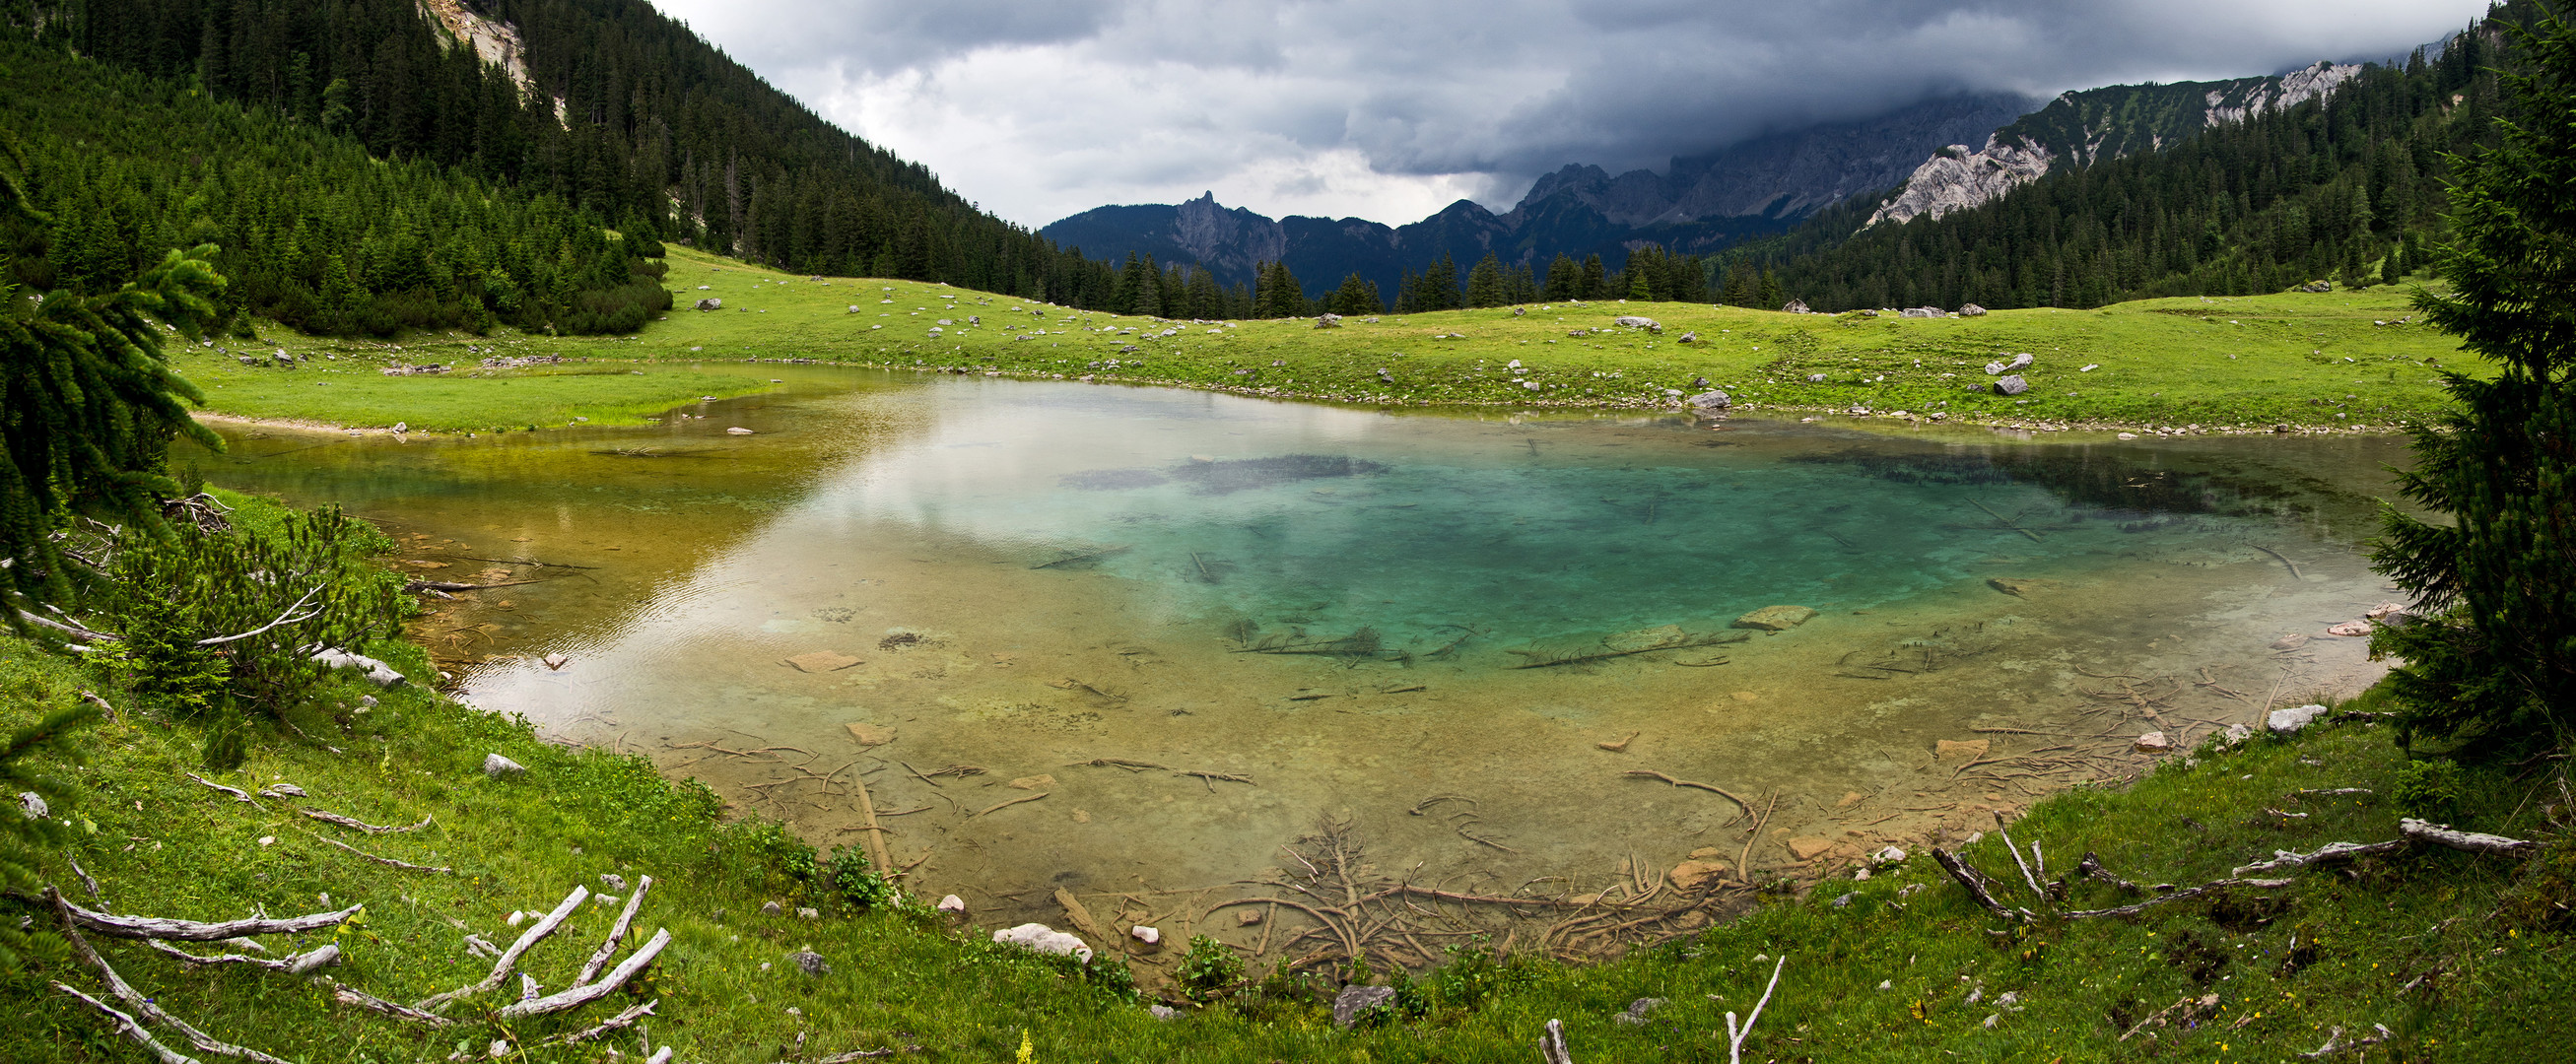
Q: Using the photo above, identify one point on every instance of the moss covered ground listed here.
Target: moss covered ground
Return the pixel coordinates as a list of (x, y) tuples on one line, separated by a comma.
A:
[(2460, 957), (2337, 360)]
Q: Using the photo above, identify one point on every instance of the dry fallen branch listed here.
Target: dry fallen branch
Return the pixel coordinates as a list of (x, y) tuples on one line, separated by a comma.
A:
[(126, 1026), (1648, 773), (510, 957), (329, 817), (616, 934), (2329, 853), (372, 1003), (2335, 1043), (2474, 842), (239, 795), (1012, 802), (1735, 1038), (192, 931), (387, 861), (117, 985), (586, 993), (1551, 1046), (619, 1022), (2190, 1007), (1980, 886), (2188, 892), (296, 964)]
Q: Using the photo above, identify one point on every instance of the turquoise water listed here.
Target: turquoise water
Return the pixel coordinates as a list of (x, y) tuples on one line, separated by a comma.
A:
[(1025, 577)]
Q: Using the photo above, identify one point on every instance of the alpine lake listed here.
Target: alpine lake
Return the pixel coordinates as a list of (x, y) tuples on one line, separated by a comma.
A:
[(1122, 656)]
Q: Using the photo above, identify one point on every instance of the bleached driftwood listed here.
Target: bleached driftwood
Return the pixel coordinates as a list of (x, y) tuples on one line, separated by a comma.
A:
[(192, 931), (1551, 1045), (348, 996), (577, 996), (239, 795), (1980, 886), (619, 1022), (2474, 842), (2187, 892), (616, 934), (2327, 854), (126, 1026), (296, 964), (134, 999), (329, 817), (1734, 1037), (510, 957), (404, 865), (283, 619), (2091, 867), (2335, 1043)]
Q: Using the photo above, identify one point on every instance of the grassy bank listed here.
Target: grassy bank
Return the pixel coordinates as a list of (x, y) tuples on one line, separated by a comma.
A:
[(2462, 957), (2332, 360)]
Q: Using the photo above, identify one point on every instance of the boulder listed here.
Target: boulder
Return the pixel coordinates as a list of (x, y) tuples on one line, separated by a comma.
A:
[(1888, 856), (499, 767), (1710, 402), (1151, 936), (771, 908), (2020, 361), (1691, 338), (854, 308), (1809, 847), (711, 303), (1519, 312), (1631, 321), (1044, 939), (2012, 385), (1355, 1000), (952, 904), (1795, 306), (810, 962), (2317, 286), (2154, 742), (378, 673), (1637, 1010), (1694, 874), (1776, 618), (1972, 310), (2350, 628), (2286, 721), (1922, 312), (1329, 321)]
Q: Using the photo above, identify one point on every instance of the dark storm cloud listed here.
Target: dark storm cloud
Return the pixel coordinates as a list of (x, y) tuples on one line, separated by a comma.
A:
[(1043, 108)]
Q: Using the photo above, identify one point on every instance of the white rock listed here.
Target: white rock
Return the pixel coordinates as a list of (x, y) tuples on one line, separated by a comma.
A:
[(952, 904), (2286, 721), (1163, 1012), (378, 673), (738, 431), (1148, 935), (33, 804), (2154, 742), (498, 767), (1044, 939), (1889, 855)]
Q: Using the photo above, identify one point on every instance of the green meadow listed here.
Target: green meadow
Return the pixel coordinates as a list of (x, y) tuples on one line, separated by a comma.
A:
[(2352, 360)]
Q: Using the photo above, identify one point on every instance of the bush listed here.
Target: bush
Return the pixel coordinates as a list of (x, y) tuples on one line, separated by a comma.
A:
[(848, 879), (2428, 789), (1210, 970)]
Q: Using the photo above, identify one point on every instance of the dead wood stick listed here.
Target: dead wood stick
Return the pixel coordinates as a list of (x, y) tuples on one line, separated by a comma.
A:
[(2335, 1043), (586, 993), (2294, 566), (2474, 842), (868, 821), (113, 716), (1114, 762), (362, 999), (865, 1054), (1711, 788), (191, 931), (238, 794), (1978, 883), (125, 992), (1008, 804), (616, 934), (618, 1022), (126, 1026), (518, 561), (510, 957), (1743, 867), (907, 766), (87, 881), (2203, 1002), (2188, 892), (2015, 849), (1551, 1045), (388, 861), (2005, 521), (450, 585), (297, 964), (2091, 867), (329, 817), (2329, 853), (1210, 778), (1483, 841)]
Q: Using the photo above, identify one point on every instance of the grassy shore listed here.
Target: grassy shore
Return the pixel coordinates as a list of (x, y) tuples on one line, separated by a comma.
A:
[(2340, 360), (2461, 957)]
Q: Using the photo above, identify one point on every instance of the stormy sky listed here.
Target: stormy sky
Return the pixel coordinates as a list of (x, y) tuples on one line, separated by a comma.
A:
[(1391, 109)]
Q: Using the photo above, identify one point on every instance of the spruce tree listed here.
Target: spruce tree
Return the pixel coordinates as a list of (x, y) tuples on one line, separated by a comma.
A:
[(1485, 282), (2492, 652), (1590, 285), (1561, 277)]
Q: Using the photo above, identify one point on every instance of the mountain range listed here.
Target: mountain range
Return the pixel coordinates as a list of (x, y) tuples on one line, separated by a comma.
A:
[(1928, 158)]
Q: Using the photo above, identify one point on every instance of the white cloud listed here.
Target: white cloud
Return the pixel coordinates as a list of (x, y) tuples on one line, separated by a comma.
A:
[(1393, 108)]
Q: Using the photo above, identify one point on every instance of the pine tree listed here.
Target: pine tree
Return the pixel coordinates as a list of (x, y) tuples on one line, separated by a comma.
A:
[(2494, 651), (1562, 276), (1485, 282), (1592, 283)]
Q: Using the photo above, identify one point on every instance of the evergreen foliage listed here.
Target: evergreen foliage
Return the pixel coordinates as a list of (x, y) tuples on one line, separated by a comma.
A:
[(24, 833), (2496, 655)]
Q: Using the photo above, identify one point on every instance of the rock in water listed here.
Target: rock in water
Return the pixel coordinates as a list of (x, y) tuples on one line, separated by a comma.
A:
[(738, 431), (2350, 628), (1692, 875), (1776, 618), (1809, 848), (870, 734), (1952, 749), (2012, 385), (2009, 586), (1355, 1000), (1645, 639), (1044, 939), (2154, 742), (952, 904), (499, 767), (2286, 721)]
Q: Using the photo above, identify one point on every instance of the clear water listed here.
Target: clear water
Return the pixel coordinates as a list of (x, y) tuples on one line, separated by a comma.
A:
[(1033, 576)]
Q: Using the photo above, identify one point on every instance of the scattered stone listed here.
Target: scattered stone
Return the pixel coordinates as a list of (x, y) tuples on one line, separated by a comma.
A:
[(1845, 901), (821, 661), (1815, 378), (1694, 874), (1850, 799), (2154, 742), (771, 908), (952, 904), (1922, 312), (1946, 749), (2019, 361), (711, 303), (807, 912), (810, 962), (1776, 618), (2317, 286), (870, 734), (854, 308), (1044, 939), (2236, 734), (1795, 306), (2384, 609), (612, 880), (1518, 312), (1808, 848), (1162, 1012), (1972, 310), (1355, 1000), (1631, 321), (2012, 385), (1329, 321), (1151, 936), (1247, 917), (33, 805), (1031, 783), (2286, 721), (1889, 856), (499, 767), (738, 431), (2090, 368), (2349, 629), (401, 427), (1637, 1010), (1710, 403), (1690, 338)]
